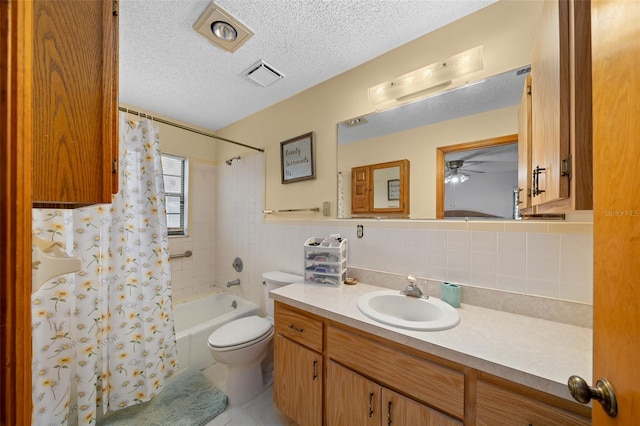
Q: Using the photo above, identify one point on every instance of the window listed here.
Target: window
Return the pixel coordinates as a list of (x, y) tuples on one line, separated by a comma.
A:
[(174, 173)]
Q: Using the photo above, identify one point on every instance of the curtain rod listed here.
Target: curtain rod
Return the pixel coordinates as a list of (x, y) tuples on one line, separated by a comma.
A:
[(189, 129)]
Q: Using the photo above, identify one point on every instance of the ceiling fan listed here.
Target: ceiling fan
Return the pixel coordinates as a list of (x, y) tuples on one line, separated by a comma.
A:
[(454, 171)]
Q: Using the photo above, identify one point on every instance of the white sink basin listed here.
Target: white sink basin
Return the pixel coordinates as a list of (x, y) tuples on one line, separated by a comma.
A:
[(392, 308)]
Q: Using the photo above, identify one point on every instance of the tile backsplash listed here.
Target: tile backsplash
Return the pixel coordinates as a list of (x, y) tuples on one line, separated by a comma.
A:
[(546, 260)]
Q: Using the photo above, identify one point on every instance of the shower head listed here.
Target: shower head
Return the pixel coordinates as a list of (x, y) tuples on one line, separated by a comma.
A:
[(230, 160)]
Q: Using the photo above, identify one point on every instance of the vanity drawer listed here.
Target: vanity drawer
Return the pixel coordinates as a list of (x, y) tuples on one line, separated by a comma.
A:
[(298, 327), (497, 406), (430, 383)]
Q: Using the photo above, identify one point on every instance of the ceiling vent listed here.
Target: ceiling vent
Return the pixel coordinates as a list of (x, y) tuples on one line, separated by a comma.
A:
[(263, 74), (222, 29)]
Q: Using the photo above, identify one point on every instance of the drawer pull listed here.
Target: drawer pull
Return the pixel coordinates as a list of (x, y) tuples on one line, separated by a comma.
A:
[(298, 329), (315, 369), (370, 404), (389, 421)]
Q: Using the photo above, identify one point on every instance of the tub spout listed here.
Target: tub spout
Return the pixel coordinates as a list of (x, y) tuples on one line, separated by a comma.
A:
[(234, 282)]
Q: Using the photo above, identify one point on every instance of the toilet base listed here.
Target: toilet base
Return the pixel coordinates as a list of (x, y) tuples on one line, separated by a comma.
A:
[(244, 383)]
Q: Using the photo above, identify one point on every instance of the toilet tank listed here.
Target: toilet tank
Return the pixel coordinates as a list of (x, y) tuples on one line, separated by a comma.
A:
[(276, 279)]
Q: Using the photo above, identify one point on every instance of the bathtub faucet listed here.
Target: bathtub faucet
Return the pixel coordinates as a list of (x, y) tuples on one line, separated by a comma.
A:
[(234, 282)]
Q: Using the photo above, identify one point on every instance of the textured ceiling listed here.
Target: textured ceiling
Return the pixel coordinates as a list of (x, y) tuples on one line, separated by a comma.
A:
[(169, 69)]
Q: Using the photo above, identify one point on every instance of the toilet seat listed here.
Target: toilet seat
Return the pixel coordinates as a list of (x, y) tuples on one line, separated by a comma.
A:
[(241, 333)]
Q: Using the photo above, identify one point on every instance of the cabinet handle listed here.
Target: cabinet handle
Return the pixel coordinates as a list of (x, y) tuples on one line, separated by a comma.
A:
[(536, 185), (389, 421), (315, 369), (298, 329), (370, 404)]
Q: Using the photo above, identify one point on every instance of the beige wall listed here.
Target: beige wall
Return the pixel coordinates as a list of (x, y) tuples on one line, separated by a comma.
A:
[(505, 29)]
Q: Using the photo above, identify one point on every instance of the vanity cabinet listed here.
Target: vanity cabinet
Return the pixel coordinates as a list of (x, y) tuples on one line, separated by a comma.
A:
[(425, 381), (298, 365), (358, 401), (372, 381), (561, 141), (75, 112)]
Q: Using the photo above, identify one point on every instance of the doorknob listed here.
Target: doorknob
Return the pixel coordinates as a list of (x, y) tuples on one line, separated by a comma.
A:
[(603, 393)]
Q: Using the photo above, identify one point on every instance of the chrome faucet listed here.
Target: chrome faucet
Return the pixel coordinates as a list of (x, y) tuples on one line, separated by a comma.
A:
[(234, 282), (413, 290)]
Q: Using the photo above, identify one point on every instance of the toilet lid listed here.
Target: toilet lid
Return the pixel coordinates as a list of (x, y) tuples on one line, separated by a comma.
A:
[(240, 331)]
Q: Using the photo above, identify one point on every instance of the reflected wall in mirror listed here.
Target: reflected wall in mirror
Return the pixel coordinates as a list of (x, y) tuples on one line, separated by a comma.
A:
[(414, 131), (477, 179), (381, 188)]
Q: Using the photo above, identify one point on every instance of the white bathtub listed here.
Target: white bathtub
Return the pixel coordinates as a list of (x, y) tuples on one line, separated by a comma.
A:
[(195, 320)]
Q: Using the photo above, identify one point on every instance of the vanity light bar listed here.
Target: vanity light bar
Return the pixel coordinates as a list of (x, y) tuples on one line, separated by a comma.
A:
[(440, 73)]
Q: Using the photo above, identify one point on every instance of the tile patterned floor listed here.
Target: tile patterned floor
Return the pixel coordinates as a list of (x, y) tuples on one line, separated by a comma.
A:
[(261, 411)]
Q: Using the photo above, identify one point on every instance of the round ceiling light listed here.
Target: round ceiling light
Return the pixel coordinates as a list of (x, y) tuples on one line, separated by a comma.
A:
[(224, 31)]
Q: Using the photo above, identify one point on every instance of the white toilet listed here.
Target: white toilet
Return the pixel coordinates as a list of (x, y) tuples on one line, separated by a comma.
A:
[(243, 344)]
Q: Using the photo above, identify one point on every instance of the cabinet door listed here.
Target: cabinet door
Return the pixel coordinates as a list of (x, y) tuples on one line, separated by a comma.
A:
[(400, 410), (496, 406), (298, 382), (352, 400), (74, 101), (524, 146), (550, 97), (360, 191)]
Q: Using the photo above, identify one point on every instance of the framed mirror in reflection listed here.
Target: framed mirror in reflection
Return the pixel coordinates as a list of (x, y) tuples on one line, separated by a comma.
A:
[(380, 189), (480, 111)]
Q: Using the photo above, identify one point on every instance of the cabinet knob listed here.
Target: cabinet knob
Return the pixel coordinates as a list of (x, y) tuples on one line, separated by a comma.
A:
[(603, 393)]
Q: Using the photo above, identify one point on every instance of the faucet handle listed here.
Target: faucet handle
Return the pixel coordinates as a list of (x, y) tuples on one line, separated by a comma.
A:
[(411, 279)]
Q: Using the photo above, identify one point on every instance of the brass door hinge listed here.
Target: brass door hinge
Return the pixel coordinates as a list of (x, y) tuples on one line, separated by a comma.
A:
[(565, 167), (116, 9)]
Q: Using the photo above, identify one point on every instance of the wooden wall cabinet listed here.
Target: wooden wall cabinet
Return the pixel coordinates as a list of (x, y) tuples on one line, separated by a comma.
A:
[(298, 366), (381, 188), (75, 112), (524, 146), (561, 140)]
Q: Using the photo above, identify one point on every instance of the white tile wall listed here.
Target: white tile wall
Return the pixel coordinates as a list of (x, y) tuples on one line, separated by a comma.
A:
[(530, 258), (194, 276)]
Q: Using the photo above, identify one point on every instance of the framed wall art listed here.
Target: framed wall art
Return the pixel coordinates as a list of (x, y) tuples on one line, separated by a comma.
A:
[(393, 189), (296, 159)]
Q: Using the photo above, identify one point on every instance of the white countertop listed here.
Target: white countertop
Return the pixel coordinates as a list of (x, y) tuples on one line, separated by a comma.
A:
[(537, 353)]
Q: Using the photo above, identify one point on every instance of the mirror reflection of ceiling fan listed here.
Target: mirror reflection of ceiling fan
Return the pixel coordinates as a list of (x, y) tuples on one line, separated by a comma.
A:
[(459, 165), (457, 171)]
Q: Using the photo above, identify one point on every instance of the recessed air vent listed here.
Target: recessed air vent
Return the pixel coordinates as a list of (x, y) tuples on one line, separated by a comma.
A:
[(263, 73), (222, 29)]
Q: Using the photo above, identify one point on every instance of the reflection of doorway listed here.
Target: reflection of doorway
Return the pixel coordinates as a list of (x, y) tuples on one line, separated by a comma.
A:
[(476, 179)]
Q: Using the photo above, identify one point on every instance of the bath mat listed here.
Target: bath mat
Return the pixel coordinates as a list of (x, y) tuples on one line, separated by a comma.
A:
[(189, 401)]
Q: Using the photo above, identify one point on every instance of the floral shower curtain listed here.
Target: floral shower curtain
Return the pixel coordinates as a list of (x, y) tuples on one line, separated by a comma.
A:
[(105, 336)]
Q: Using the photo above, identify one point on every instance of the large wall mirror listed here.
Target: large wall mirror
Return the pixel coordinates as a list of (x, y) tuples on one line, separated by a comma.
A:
[(484, 110)]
